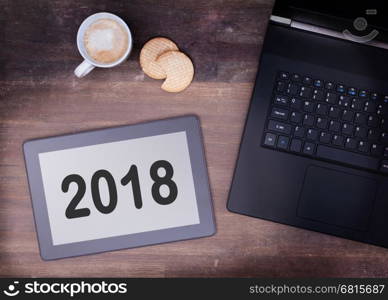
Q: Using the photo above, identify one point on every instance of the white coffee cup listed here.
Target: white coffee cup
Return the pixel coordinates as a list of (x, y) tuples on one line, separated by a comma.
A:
[(89, 63)]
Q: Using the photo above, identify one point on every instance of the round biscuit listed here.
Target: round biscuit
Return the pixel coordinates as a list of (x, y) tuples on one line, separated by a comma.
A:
[(150, 52), (179, 70)]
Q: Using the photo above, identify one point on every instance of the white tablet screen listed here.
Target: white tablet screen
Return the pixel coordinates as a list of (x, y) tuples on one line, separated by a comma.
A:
[(119, 188)]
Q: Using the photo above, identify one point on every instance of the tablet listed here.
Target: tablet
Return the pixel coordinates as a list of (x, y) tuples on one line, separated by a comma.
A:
[(119, 187)]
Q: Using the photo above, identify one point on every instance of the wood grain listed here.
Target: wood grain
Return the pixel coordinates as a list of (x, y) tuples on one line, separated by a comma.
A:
[(39, 96)]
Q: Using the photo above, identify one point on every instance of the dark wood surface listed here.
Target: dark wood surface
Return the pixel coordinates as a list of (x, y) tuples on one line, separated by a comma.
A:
[(40, 96)]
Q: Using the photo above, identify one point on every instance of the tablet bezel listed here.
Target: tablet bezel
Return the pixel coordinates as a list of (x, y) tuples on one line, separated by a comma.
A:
[(189, 124)]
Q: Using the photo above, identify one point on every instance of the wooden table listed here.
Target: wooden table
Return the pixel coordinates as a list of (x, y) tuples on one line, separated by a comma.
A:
[(40, 96)]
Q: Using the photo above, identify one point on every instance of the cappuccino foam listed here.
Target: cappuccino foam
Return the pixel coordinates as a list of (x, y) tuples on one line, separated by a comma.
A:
[(106, 41)]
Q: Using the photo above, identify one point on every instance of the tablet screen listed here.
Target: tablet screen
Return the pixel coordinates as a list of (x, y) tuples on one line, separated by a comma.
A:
[(119, 188)]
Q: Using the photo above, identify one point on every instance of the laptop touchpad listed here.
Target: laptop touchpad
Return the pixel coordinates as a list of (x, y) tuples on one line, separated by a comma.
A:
[(337, 198)]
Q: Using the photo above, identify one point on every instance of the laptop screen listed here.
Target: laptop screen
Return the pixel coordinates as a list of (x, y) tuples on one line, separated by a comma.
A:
[(337, 15)]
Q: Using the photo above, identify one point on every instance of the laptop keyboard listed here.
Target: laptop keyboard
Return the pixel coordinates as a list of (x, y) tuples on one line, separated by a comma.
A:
[(329, 121)]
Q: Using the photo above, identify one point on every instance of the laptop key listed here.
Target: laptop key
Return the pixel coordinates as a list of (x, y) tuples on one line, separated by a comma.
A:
[(344, 156), (384, 166), (374, 96), (384, 138), (292, 89), (296, 117), (299, 132), (325, 137), (386, 152), (340, 88), (357, 104), (308, 120), (283, 75), (279, 113), (312, 134), (363, 146), (281, 100), (296, 145), (384, 124), (296, 103), (309, 148), (295, 77), (347, 129), (270, 139), (334, 126), (279, 127), (307, 80), (344, 101), (361, 132), (331, 98), (370, 106), (382, 109), (280, 86), (322, 123), (363, 93), (351, 143), (338, 140), (329, 85), (377, 150), (352, 91), (334, 112), (318, 95), (373, 121), (283, 142), (347, 115), (322, 109), (305, 92), (308, 106), (360, 119), (374, 134), (318, 83)]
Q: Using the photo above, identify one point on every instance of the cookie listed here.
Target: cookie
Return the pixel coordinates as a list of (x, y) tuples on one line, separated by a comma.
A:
[(179, 70), (150, 52)]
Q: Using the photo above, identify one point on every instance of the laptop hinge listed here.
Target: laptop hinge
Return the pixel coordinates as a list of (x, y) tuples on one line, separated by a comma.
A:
[(328, 32), (281, 20)]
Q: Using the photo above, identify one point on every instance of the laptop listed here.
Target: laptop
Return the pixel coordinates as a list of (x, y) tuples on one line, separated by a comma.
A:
[(314, 152)]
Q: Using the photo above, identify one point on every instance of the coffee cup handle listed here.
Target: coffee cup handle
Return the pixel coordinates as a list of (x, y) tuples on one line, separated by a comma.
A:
[(83, 69)]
